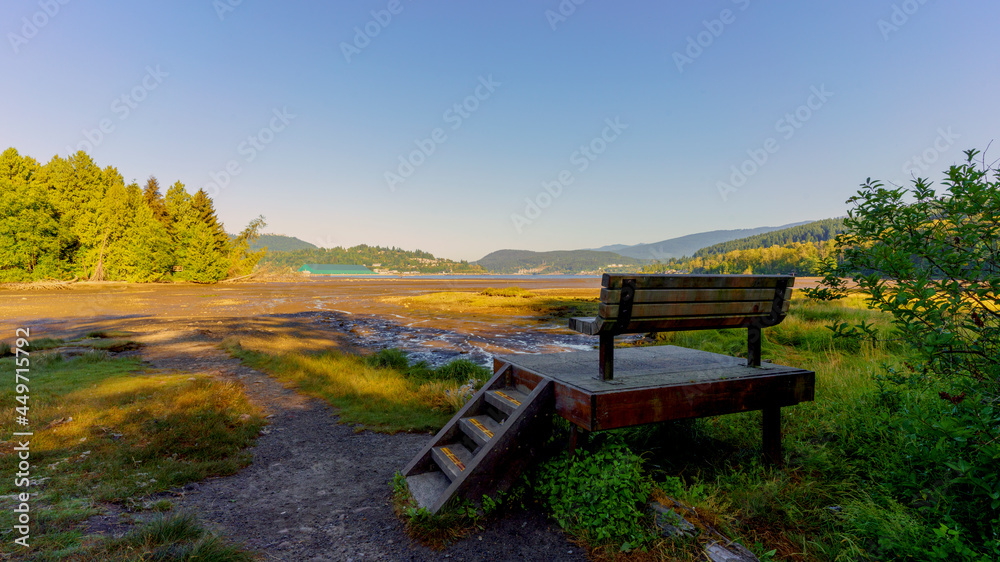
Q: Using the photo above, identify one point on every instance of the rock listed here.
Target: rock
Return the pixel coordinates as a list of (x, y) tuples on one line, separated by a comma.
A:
[(670, 523), (728, 552)]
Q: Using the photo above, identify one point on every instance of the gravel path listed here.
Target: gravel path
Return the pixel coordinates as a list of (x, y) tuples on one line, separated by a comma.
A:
[(317, 490)]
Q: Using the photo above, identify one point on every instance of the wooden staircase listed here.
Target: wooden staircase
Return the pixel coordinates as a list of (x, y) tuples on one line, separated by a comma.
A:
[(484, 448)]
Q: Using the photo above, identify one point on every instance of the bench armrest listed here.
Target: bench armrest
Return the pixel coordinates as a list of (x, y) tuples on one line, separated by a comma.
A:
[(590, 326)]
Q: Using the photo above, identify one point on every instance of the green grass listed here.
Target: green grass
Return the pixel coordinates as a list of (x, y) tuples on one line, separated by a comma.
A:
[(383, 393), (172, 537), (544, 304), (107, 431)]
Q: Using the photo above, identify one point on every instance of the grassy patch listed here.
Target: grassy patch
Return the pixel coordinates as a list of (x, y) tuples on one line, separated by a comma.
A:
[(105, 431), (508, 301), (381, 393), (176, 537)]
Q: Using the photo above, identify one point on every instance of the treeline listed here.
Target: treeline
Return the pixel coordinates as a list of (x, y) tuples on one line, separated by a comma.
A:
[(372, 257), (70, 219), (559, 261), (800, 258), (818, 231)]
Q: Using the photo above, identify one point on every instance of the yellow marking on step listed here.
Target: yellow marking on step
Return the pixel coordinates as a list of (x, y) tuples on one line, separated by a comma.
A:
[(507, 397), (451, 456), (481, 427)]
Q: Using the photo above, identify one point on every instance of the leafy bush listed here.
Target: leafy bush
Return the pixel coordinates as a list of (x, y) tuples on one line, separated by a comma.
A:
[(932, 261), (600, 494), (934, 264)]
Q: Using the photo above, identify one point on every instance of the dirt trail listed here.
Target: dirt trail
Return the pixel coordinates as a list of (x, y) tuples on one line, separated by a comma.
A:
[(316, 489)]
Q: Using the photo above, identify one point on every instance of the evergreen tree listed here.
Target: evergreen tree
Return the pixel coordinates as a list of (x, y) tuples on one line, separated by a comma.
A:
[(202, 205), (154, 199), (201, 244), (203, 263), (29, 230), (138, 247)]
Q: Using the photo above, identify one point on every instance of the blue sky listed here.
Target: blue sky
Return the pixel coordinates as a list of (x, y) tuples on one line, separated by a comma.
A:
[(438, 125)]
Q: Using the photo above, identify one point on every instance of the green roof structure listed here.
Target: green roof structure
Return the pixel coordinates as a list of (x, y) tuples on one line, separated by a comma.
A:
[(335, 269)]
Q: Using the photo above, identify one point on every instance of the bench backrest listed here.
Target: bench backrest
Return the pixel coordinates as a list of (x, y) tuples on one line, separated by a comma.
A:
[(632, 304)]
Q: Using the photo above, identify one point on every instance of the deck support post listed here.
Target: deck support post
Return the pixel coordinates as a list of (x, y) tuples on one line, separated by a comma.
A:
[(753, 346), (772, 434), (606, 361)]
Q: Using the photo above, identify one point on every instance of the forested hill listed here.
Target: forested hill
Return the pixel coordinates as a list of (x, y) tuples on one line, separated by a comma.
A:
[(567, 262), (818, 231), (280, 243), (796, 250), (376, 258), (70, 218), (687, 245)]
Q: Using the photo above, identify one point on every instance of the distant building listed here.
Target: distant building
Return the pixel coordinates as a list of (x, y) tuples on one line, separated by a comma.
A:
[(335, 269)]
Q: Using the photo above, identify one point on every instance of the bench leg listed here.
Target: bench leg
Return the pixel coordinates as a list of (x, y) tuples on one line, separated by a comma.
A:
[(753, 346), (606, 367), (772, 435)]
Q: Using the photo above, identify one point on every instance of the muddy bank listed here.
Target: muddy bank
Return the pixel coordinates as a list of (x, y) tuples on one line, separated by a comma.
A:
[(316, 490)]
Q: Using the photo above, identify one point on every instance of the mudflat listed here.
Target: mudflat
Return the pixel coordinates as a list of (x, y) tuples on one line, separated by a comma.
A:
[(317, 489)]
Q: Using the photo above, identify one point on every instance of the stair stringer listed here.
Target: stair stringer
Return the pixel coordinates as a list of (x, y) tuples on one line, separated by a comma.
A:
[(496, 467), (497, 464), (423, 461)]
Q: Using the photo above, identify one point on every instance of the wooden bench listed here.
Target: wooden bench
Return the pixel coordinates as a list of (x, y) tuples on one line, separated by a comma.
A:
[(635, 304), (638, 304)]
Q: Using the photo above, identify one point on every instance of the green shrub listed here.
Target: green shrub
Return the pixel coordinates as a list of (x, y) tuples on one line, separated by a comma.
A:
[(601, 495), (389, 358), (462, 370), (459, 370)]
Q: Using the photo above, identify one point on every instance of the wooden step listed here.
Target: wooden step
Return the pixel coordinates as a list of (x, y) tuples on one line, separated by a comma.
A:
[(427, 487), (452, 458), (506, 399), (479, 428), (446, 467)]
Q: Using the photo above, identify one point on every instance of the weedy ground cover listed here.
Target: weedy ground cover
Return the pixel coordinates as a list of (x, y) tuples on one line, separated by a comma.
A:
[(107, 431), (384, 392), (509, 301)]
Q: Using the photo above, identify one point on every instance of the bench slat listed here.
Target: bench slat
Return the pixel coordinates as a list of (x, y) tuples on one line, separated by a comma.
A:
[(609, 312), (596, 326), (614, 281), (648, 296)]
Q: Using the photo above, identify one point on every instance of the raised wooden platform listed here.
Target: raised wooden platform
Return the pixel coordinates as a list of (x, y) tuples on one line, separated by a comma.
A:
[(658, 383)]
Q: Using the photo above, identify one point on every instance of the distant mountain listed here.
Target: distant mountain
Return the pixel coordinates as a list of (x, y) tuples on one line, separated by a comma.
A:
[(797, 250), (816, 231), (565, 261), (280, 243), (688, 245)]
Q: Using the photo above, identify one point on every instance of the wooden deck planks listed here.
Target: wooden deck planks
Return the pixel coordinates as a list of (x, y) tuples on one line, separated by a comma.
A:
[(661, 383)]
